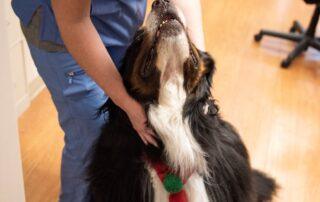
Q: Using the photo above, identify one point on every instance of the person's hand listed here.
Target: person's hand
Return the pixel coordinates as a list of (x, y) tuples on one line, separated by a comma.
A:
[(138, 120)]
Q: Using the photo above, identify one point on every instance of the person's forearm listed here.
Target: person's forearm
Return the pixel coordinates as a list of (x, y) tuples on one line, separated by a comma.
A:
[(83, 42), (193, 14)]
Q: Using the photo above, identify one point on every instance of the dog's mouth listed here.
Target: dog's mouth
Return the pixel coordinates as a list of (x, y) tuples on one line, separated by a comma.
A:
[(170, 25)]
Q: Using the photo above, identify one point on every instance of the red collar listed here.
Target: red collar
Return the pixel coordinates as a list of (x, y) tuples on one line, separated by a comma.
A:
[(163, 170)]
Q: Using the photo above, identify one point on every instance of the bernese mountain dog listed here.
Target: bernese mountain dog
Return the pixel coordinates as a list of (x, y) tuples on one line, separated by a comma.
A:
[(201, 157)]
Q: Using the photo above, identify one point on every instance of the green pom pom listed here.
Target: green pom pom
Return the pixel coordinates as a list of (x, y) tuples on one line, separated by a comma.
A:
[(172, 183)]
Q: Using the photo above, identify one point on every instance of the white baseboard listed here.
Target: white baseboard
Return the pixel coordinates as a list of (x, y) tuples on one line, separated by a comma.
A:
[(34, 88), (22, 105)]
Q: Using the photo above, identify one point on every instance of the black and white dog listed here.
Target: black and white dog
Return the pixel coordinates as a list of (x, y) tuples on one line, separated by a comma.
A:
[(166, 73)]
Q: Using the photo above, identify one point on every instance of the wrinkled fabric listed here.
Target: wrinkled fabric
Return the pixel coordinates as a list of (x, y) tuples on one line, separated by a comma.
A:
[(115, 20), (76, 97)]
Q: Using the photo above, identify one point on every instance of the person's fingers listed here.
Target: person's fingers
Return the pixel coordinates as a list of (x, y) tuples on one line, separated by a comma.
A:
[(151, 132), (144, 140), (151, 140), (150, 135)]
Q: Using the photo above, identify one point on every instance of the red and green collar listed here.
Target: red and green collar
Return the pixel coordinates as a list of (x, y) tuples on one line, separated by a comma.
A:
[(172, 183)]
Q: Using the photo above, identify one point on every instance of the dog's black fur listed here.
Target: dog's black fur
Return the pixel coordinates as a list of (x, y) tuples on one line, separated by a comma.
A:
[(118, 170)]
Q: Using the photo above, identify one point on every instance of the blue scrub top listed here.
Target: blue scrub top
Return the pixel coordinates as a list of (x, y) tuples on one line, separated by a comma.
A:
[(115, 20)]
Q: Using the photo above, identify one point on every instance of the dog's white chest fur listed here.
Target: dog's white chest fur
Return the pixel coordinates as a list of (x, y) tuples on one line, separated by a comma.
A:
[(183, 152)]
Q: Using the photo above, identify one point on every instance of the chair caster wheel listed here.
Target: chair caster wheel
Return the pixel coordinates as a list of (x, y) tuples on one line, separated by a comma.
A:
[(285, 64), (293, 29), (258, 37)]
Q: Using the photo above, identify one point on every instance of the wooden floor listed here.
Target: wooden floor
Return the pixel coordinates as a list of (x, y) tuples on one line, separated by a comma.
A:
[(276, 111), (41, 142)]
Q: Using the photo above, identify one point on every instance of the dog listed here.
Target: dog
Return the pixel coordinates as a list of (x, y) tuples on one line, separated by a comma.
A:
[(201, 157)]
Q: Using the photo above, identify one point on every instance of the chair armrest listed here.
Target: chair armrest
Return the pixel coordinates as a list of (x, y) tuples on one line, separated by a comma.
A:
[(312, 1)]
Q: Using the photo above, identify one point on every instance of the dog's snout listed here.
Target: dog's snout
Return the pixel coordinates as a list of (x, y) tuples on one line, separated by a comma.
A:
[(159, 3)]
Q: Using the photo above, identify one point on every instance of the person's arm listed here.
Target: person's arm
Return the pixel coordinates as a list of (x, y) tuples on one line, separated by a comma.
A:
[(193, 16), (83, 42)]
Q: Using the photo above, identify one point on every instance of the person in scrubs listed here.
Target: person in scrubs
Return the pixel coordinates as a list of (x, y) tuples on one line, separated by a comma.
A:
[(77, 47)]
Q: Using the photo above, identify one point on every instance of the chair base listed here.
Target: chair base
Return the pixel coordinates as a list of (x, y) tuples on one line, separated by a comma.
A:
[(303, 42), (303, 38)]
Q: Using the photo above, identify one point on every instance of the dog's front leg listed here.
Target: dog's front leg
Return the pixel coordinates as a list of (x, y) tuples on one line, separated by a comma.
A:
[(160, 194), (195, 189)]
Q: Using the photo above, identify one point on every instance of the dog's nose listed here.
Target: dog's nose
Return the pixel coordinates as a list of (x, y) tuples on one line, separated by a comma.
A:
[(159, 3)]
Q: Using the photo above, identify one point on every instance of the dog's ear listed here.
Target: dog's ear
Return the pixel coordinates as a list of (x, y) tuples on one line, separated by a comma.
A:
[(205, 91), (209, 64)]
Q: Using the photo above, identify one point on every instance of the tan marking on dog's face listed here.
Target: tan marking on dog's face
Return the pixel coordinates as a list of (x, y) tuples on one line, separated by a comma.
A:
[(145, 86), (194, 69)]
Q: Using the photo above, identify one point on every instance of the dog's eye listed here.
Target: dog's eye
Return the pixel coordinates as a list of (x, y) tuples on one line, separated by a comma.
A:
[(193, 57), (149, 64)]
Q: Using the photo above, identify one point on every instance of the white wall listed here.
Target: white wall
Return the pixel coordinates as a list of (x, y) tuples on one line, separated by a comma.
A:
[(26, 81), (11, 180)]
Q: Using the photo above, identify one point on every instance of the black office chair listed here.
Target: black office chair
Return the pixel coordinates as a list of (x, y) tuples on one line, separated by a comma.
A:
[(304, 38)]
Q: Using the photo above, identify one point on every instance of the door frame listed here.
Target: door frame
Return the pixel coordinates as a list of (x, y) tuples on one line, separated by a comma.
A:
[(11, 183)]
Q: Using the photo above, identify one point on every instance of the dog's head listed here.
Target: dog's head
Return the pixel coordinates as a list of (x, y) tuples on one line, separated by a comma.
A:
[(172, 78), (162, 51)]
